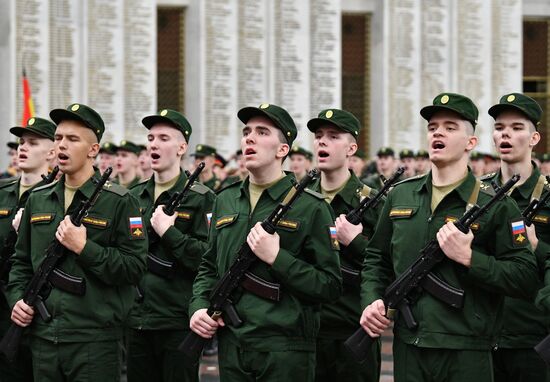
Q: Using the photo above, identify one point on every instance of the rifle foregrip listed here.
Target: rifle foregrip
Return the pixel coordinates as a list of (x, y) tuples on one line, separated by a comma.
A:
[(543, 349), (358, 345), (9, 346), (192, 345)]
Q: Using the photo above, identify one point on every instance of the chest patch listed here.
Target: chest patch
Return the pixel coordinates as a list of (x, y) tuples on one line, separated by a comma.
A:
[(225, 220), (519, 234), (4, 212), (136, 227), (452, 219), (401, 212), (95, 221), (40, 218), (184, 215), (540, 219), (287, 224)]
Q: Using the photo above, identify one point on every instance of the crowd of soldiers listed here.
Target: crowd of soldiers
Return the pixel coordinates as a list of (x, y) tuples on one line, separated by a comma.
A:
[(147, 276)]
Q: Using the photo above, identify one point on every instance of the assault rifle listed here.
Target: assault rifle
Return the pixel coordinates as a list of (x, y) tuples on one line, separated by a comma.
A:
[(536, 204), (39, 285), (9, 242), (156, 265), (351, 276), (398, 296), (220, 298)]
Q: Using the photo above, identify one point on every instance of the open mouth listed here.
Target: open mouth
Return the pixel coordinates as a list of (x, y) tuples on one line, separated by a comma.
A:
[(62, 156), (155, 156), (22, 156), (323, 154), (438, 145), (249, 151), (505, 145)]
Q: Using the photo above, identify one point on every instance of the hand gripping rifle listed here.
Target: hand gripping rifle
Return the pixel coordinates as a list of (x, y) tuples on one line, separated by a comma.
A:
[(398, 295), (9, 242), (220, 298), (39, 283), (156, 265), (351, 276)]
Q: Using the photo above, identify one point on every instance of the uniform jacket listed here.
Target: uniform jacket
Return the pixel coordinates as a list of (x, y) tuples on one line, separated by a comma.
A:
[(166, 301), (306, 267), (339, 319), (502, 263), (113, 259)]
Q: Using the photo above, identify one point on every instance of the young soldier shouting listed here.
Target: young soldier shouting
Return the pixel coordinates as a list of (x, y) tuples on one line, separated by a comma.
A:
[(81, 341), (276, 341), (335, 142), (448, 344), (159, 321), (515, 135)]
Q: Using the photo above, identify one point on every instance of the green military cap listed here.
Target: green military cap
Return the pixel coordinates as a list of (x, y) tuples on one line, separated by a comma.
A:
[(458, 103), (12, 145), (360, 154), (142, 147), (108, 147), (406, 153), (82, 113), (385, 151), (342, 119), (545, 157), (220, 161), (521, 102), (39, 126), (301, 151), (172, 117), (422, 154), (129, 146), (476, 155), (279, 116), (202, 151)]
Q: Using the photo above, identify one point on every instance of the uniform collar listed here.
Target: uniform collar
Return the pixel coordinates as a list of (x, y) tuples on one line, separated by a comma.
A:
[(350, 191), (525, 189), (276, 191), (87, 189), (464, 190), (150, 185)]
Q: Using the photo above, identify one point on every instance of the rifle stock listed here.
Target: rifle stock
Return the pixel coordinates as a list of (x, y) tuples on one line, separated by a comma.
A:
[(38, 285), (396, 296)]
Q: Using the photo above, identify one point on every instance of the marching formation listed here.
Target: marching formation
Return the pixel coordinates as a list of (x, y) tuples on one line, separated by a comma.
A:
[(122, 256)]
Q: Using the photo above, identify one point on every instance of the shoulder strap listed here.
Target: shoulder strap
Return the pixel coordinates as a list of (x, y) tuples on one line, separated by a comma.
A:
[(539, 187), (472, 200)]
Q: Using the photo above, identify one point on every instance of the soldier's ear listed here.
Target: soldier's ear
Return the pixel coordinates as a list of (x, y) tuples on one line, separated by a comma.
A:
[(182, 148), (352, 148), (535, 138), (94, 150)]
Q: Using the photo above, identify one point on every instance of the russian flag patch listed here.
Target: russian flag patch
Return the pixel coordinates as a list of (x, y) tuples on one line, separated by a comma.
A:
[(209, 218), (518, 232), (136, 227), (333, 241)]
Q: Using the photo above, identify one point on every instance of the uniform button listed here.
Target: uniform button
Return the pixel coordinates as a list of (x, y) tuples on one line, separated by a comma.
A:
[(416, 341), (429, 219)]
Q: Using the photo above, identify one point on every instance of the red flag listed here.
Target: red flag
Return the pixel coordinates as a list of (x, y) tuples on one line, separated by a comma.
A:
[(28, 106)]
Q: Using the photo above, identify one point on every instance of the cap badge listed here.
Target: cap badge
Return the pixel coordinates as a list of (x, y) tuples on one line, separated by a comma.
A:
[(329, 114), (123, 143), (75, 107), (163, 113), (444, 99), (31, 122), (511, 98), (199, 148), (264, 106)]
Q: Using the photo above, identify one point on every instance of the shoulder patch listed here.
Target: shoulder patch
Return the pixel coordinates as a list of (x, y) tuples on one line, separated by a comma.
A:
[(115, 188), (45, 186), (488, 176), (315, 194), (200, 188)]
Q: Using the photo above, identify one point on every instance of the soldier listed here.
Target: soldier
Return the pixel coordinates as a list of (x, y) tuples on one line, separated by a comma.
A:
[(406, 157), (35, 151), (335, 143), (447, 344), (107, 158), (386, 165), (159, 321), (515, 135), (207, 154), (477, 163), (357, 163), (300, 161), (422, 162), (81, 341), (127, 163), (277, 339), (144, 163), (545, 164), (13, 168)]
